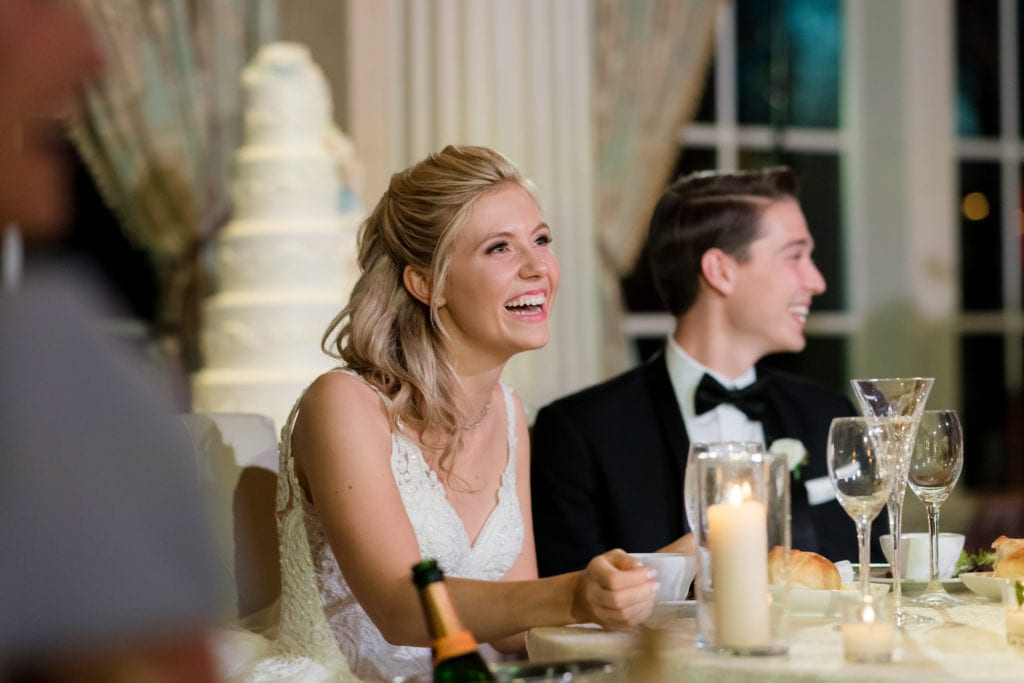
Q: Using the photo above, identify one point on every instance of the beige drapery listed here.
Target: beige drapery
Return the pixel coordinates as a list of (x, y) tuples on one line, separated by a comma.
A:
[(159, 128), (651, 59)]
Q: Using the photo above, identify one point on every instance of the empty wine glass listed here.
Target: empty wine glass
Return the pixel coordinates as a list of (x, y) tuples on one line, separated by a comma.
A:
[(934, 469), (896, 404), (861, 472)]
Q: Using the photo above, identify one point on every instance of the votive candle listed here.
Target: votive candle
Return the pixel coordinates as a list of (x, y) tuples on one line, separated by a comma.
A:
[(1015, 626), (868, 640)]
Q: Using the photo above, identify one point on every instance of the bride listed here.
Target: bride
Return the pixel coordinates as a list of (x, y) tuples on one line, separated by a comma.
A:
[(415, 448)]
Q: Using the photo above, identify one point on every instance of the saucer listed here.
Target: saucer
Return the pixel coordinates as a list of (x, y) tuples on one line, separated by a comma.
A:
[(984, 584), (669, 610)]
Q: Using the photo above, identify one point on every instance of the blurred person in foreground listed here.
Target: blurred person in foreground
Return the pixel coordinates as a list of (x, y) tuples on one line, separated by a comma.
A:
[(731, 258), (414, 447), (106, 567)]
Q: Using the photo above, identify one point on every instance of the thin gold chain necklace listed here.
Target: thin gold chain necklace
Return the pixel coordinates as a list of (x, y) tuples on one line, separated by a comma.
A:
[(483, 414)]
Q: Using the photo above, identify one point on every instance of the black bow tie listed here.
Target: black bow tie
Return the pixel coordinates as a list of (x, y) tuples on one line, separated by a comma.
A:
[(752, 400)]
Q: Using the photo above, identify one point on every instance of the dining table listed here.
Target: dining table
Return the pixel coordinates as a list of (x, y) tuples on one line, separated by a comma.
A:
[(965, 642)]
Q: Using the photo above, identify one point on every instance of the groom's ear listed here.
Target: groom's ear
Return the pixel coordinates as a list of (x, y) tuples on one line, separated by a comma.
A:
[(719, 270)]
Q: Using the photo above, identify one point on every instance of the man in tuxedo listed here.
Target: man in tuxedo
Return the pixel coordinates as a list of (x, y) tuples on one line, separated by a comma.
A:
[(731, 258)]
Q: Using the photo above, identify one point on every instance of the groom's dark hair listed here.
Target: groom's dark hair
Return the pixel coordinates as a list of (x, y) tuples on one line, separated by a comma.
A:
[(707, 210)]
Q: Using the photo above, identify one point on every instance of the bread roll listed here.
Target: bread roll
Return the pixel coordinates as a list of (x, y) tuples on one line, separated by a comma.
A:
[(806, 570), (1009, 557)]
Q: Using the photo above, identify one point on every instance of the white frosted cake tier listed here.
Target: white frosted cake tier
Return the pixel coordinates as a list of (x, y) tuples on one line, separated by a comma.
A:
[(288, 254), (299, 181), (285, 264), (267, 329), (270, 393), (286, 97)]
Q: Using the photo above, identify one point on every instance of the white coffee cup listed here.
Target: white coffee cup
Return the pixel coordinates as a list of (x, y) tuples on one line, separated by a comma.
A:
[(675, 573), (915, 558)]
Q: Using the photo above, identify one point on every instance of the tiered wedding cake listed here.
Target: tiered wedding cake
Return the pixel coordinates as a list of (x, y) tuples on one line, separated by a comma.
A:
[(287, 261)]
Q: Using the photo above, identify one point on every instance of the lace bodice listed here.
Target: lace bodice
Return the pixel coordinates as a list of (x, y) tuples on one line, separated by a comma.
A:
[(322, 626)]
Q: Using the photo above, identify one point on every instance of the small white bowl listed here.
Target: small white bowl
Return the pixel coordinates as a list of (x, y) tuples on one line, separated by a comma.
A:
[(675, 573), (914, 555)]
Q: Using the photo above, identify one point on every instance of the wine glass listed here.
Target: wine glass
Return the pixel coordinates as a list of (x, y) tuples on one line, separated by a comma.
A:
[(861, 472), (896, 405), (934, 469)]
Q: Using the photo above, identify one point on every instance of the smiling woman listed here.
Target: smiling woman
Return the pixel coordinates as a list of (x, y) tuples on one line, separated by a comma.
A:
[(415, 448)]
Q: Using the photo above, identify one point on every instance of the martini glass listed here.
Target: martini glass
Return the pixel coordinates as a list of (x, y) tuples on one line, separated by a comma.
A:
[(896, 404), (934, 470)]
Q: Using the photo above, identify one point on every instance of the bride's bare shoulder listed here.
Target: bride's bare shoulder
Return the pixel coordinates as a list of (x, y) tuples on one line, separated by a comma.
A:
[(341, 398)]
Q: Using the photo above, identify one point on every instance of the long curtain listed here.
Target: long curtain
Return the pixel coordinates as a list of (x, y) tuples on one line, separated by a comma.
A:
[(158, 130), (652, 58)]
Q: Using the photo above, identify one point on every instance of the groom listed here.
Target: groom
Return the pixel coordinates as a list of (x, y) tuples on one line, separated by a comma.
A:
[(731, 257)]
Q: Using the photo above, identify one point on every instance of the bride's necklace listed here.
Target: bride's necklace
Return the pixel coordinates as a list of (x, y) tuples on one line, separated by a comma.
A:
[(483, 414)]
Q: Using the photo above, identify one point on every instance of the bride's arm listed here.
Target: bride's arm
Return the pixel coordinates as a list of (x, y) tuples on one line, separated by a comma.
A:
[(342, 445), (525, 567)]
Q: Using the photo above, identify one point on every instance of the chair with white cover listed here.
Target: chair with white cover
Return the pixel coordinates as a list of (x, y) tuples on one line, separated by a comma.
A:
[(237, 460)]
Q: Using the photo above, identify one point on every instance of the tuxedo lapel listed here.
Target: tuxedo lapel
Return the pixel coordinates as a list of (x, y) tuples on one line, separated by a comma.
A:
[(670, 418)]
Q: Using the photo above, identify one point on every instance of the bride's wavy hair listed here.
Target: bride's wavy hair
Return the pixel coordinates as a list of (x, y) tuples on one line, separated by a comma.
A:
[(389, 337)]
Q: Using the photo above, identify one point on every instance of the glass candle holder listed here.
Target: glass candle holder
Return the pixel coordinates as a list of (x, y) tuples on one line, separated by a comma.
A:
[(742, 513), (1013, 597), (868, 632)]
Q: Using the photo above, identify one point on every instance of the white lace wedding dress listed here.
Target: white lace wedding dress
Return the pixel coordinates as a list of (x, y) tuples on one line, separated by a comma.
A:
[(323, 633)]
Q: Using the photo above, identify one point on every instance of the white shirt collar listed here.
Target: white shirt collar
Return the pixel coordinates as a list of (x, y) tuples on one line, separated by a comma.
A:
[(725, 422)]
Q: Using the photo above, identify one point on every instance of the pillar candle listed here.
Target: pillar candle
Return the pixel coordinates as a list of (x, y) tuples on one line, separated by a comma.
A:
[(738, 540)]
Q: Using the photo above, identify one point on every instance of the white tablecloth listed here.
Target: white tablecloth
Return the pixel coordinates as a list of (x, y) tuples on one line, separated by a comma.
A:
[(968, 643)]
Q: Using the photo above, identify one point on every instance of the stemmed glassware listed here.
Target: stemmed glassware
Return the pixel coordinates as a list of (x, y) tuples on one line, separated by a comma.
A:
[(861, 472), (934, 469), (895, 405)]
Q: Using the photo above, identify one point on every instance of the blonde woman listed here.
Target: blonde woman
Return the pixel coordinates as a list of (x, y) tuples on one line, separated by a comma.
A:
[(414, 448)]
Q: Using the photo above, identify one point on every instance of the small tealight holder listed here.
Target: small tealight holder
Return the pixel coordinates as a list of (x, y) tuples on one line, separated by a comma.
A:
[(868, 632), (1013, 601), (742, 512)]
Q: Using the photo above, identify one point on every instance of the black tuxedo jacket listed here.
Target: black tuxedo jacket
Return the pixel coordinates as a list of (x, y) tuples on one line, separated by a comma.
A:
[(608, 463)]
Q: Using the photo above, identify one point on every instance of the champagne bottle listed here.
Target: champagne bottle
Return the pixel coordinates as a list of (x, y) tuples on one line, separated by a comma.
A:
[(456, 659)]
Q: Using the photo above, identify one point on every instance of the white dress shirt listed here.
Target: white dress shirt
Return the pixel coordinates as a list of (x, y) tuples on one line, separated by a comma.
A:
[(726, 422)]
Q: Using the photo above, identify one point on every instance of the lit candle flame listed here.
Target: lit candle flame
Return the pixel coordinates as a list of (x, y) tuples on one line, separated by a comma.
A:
[(735, 495)]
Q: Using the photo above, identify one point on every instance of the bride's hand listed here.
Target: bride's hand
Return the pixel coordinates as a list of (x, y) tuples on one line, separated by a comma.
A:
[(615, 591)]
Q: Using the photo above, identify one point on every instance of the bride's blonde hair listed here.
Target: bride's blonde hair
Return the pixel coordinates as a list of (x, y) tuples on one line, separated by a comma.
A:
[(389, 337)]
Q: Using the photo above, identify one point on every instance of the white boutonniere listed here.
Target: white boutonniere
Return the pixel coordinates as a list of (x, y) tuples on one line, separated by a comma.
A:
[(794, 451)]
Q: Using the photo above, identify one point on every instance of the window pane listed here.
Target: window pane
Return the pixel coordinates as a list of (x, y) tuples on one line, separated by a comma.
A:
[(788, 60), (984, 410), (638, 287), (695, 159), (977, 49), (980, 237), (706, 111), (823, 360), (820, 199)]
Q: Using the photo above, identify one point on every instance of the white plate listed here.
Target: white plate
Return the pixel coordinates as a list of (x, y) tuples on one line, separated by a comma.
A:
[(952, 583), (984, 584), (879, 571), (804, 602)]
